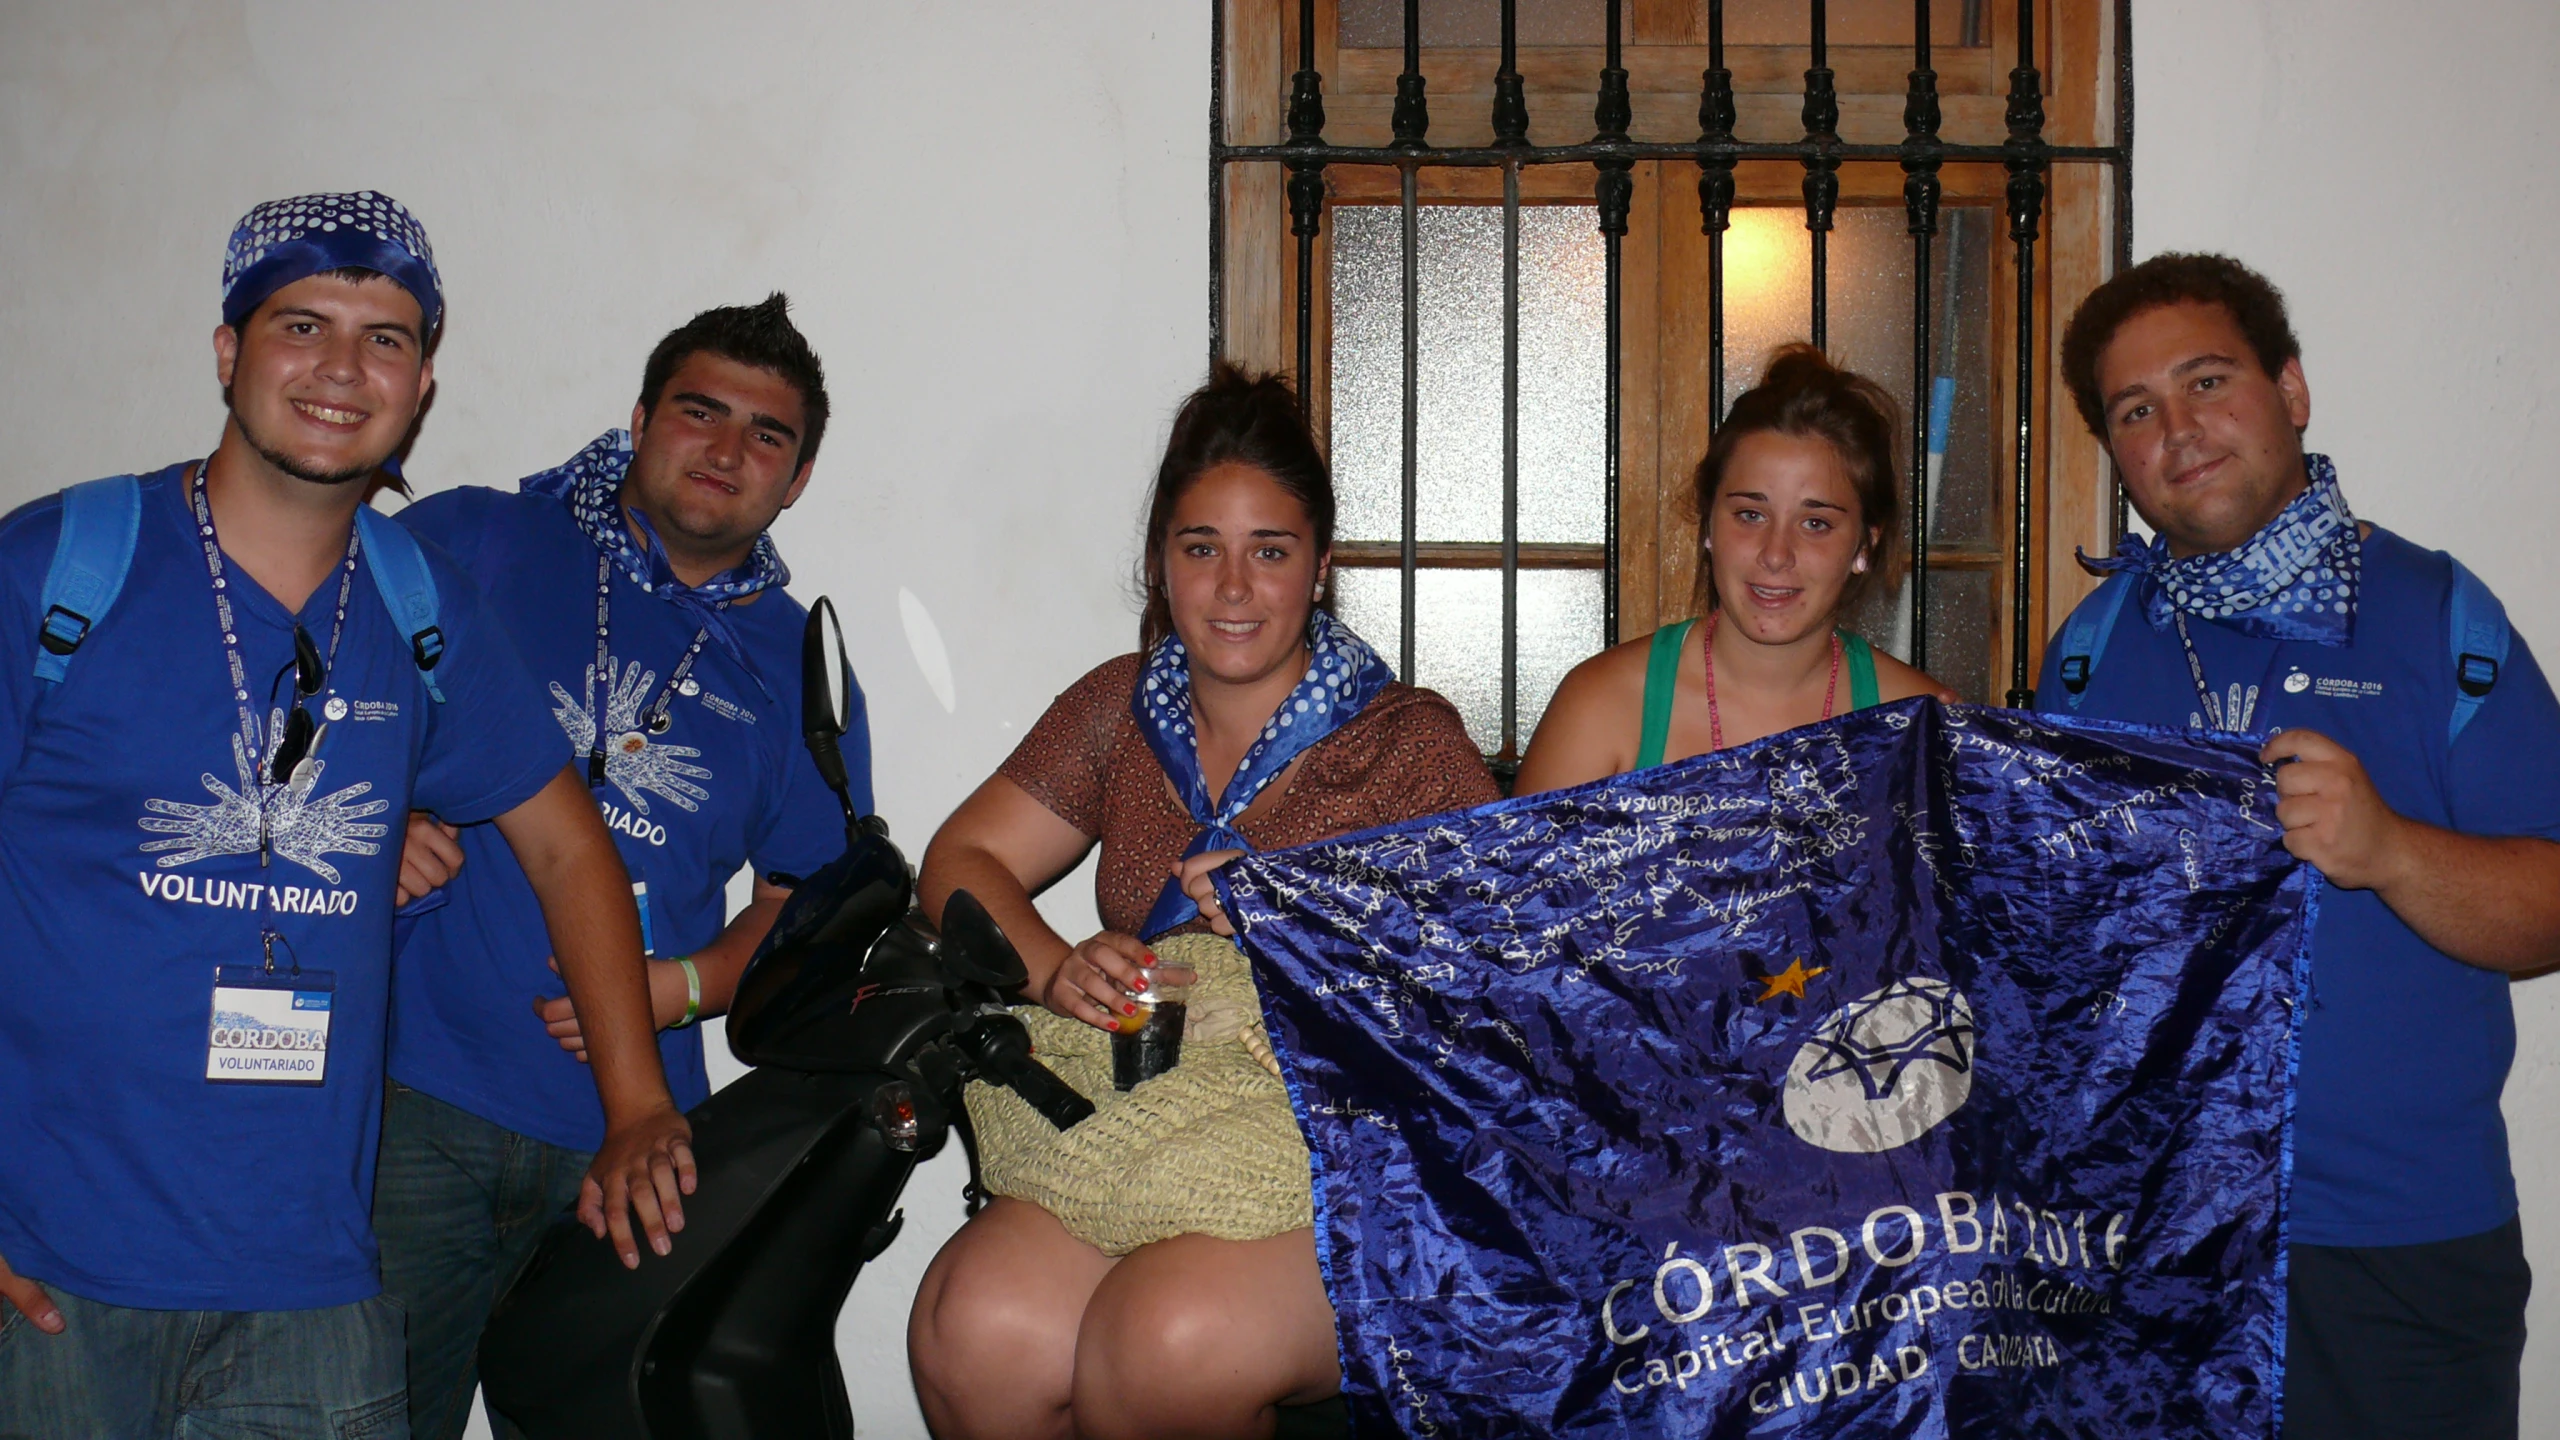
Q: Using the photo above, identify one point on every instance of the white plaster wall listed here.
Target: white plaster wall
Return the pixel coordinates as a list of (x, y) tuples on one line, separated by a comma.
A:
[(1007, 326), (1007, 331), (2387, 166)]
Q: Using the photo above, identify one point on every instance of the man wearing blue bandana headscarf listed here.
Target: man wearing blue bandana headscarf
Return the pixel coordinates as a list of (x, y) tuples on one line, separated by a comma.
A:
[(283, 241), (638, 581), (197, 779), (2419, 774)]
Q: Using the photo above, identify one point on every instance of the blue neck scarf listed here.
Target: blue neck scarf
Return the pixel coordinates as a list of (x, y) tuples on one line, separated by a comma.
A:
[(1343, 676), (2294, 580), (591, 483)]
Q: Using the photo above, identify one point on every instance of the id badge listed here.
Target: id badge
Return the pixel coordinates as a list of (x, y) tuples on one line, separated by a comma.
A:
[(648, 931), (270, 1027)]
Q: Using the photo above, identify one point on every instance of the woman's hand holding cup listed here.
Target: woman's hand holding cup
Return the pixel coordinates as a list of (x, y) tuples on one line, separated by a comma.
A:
[(1096, 981)]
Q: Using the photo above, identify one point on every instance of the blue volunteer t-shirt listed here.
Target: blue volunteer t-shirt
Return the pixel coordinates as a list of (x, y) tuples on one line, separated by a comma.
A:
[(129, 870), (2398, 1137), (728, 784)]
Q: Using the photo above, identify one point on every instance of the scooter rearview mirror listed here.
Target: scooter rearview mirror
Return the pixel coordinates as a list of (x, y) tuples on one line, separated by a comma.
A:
[(829, 701), (974, 947)]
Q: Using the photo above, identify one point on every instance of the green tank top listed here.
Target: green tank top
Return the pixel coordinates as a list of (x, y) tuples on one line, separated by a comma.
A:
[(1662, 684)]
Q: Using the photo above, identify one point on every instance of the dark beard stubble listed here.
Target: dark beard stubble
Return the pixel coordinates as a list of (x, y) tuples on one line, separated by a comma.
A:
[(287, 463)]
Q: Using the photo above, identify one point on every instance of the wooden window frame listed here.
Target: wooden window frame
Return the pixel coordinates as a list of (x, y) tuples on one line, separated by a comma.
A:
[(1664, 417)]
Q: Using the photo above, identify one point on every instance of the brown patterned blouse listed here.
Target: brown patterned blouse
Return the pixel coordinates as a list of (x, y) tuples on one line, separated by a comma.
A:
[(1405, 755)]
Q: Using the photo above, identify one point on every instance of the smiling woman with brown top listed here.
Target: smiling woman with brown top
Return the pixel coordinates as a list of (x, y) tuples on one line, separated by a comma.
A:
[(1020, 1328)]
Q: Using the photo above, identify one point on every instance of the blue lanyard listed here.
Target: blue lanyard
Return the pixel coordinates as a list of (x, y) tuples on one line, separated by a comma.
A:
[(655, 719), (261, 754)]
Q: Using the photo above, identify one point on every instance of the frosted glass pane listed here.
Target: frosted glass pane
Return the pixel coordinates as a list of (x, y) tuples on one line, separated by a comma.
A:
[(1457, 638), (1961, 504), (1962, 622), (1769, 299), (1458, 470)]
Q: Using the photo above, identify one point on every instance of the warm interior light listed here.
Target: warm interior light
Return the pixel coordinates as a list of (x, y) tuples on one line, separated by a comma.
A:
[(1764, 243), (1768, 283)]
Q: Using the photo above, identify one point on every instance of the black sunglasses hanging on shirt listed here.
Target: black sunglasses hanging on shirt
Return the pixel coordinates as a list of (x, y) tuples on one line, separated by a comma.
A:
[(309, 674)]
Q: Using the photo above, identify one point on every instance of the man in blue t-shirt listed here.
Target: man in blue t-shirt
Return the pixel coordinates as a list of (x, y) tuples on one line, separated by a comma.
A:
[(638, 581), (203, 777), (2264, 605)]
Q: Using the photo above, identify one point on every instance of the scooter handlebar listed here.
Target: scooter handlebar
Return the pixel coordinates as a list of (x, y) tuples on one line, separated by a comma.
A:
[(1002, 1049), (1056, 1100)]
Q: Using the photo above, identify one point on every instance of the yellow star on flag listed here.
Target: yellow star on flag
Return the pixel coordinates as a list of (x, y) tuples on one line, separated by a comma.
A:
[(1789, 981)]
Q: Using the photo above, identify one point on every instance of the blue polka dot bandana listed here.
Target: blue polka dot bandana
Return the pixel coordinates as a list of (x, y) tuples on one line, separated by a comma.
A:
[(2294, 580), (287, 240), (1343, 676)]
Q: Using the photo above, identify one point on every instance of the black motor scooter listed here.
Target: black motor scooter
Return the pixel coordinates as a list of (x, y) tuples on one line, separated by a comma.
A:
[(864, 1024)]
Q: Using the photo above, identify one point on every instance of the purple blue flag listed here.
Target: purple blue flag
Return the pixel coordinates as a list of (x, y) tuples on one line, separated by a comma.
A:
[(1923, 1073)]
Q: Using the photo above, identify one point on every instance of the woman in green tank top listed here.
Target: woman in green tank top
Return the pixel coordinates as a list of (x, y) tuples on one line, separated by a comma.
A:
[(1799, 514)]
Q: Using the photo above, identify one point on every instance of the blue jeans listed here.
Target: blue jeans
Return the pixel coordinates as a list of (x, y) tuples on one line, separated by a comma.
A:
[(331, 1374), (458, 1203)]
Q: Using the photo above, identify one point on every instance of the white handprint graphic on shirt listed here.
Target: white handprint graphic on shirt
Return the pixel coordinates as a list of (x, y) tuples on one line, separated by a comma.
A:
[(300, 828), (633, 760)]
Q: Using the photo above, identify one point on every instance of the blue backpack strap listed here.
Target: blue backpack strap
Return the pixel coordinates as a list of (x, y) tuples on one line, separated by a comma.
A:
[(408, 588), (2476, 634), (100, 521), (2084, 635)]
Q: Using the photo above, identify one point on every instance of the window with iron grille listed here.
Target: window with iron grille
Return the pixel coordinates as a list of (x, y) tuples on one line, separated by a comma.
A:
[(1521, 254)]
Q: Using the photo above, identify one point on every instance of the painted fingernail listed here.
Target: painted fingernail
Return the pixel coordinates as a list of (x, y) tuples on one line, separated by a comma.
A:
[(1128, 1009)]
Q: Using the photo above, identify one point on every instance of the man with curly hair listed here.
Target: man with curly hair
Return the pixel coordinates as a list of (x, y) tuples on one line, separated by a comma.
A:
[(2416, 748)]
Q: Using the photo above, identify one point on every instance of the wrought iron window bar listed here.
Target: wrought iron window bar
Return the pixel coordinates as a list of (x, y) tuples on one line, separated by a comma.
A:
[(2026, 156)]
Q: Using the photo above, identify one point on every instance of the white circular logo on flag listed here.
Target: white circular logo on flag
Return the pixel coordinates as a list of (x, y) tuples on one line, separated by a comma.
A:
[(2296, 683), (1884, 1068)]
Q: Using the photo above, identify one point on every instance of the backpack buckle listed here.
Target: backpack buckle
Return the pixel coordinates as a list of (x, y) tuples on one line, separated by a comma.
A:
[(427, 647), (2075, 673), (2475, 674), (58, 635)]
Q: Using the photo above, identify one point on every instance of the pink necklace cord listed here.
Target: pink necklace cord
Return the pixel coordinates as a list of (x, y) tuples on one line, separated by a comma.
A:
[(1715, 718)]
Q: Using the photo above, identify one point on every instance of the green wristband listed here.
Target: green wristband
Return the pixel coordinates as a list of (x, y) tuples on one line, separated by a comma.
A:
[(692, 993)]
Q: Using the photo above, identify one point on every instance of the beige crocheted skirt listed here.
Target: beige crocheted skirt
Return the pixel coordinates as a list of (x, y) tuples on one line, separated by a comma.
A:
[(1210, 1147)]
